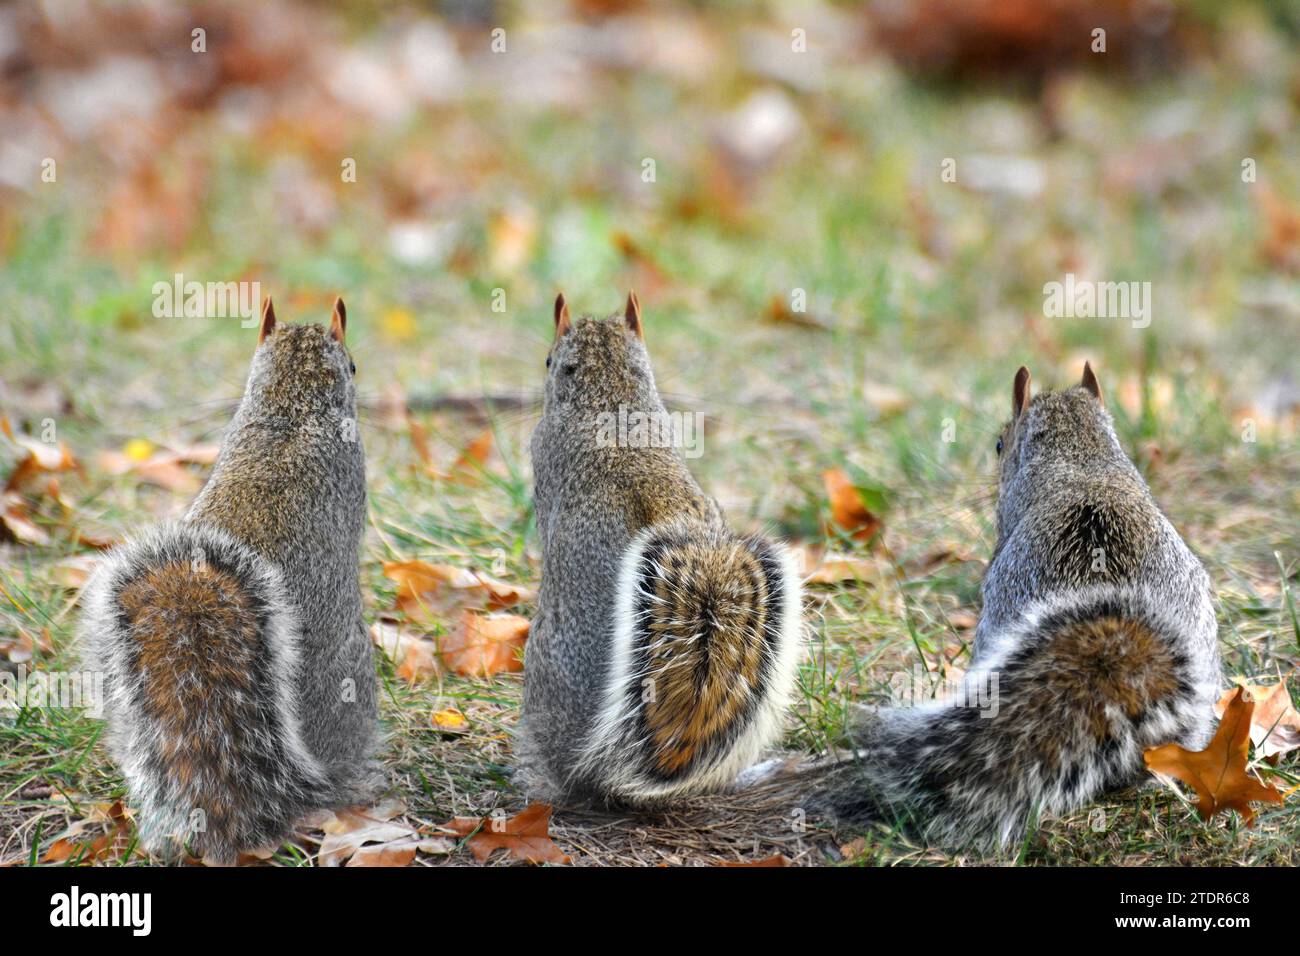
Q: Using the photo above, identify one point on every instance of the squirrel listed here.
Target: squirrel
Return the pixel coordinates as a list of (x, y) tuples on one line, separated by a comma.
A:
[(665, 647), (240, 690), (1096, 641)]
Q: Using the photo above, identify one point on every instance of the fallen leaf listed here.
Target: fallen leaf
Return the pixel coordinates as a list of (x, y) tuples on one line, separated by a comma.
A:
[(348, 831), (102, 835), (848, 511), (886, 399), (40, 458), (468, 467), (510, 237), (398, 324), (443, 587), (1218, 773), (166, 469), (419, 440), (15, 522), (72, 573), (1274, 724), (485, 644), (450, 720), (780, 312), (416, 657), (525, 836)]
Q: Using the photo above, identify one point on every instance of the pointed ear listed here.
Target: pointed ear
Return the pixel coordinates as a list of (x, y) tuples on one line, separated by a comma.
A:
[(562, 323), (632, 315), (1090, 383), (1020, 393), (268, 320), (339, 321)]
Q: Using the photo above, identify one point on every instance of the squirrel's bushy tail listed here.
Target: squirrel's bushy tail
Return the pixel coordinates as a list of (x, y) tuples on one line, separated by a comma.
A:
[(1058, 714), (705, 648), (195, 637)]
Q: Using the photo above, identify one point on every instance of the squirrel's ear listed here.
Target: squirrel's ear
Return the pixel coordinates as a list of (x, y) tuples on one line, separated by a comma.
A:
[(562, 324), (1090, 383), (268, 320), (632, 315), (339, 321), (1020, 393)]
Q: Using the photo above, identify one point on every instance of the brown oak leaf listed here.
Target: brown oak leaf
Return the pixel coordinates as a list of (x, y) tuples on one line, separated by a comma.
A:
[(1218, 773), (525, 836)]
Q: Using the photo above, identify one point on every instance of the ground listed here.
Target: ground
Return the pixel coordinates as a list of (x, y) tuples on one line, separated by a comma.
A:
[(471, 208)]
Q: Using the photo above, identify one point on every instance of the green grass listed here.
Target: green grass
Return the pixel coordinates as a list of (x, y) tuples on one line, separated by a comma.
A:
[(929, 288)]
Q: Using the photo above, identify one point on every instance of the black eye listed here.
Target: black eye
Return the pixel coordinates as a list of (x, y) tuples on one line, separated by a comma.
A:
[(548, 361), (999, 446), (352, 366)]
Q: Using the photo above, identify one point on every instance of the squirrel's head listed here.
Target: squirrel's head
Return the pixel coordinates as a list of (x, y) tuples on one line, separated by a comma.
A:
[(1050, 433), (303, 370), (595, 365)]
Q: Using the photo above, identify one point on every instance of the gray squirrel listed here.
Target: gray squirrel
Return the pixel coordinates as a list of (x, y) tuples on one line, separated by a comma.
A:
[(239, 684), (1097, 640), (665, 647)]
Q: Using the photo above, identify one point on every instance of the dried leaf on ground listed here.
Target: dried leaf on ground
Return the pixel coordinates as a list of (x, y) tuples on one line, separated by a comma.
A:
[(16, 523), (485, 644), (73, 572), (104, 835), (440, 588), (1274, 724), (848, 511), (371, 837), (416, 657), (449, 720), (469, 465), (525, 836), (40, 457), (780, 312), (1218, 773)]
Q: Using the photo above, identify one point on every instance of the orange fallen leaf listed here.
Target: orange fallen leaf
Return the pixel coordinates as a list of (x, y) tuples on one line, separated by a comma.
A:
[(385, 854), (416, 657), (525, 836), (449, 720), (39, 458), (103, 835), (73, 572), (420, 585), (1218, 773), (16, 523), (848, 511), (485, 644), (165, 469), (468, 467), (780, 312), (1274, 724), (419, 441)]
